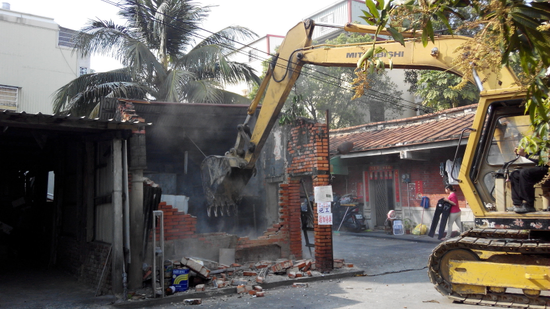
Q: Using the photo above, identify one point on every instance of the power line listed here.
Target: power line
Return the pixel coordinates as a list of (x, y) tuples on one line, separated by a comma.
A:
[(230, 47), (311, 75)]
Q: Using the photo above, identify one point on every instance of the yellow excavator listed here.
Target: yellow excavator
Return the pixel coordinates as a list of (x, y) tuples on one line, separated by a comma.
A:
[(505, 259)]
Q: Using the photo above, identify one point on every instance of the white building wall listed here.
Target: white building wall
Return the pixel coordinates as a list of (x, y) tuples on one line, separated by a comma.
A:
[(338, 14), (408, 101), (31, 60)]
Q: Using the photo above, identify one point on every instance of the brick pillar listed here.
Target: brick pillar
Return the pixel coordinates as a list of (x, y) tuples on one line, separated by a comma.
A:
[(323, 234), (308, 150), (294, 221)]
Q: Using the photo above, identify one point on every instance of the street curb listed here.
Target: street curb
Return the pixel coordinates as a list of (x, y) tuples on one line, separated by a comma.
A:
[(416, 238), (227, 291)]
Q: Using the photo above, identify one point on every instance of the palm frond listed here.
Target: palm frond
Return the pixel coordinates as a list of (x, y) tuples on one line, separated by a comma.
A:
[(171, 89), (200, 59), (84, 102), (209, 62), (228, 37), (102, 37), (202, 91), (89, 88), (141, 60), (231, 72)]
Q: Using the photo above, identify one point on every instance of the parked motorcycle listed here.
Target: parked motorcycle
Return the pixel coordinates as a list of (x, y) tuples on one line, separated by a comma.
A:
[(346, 211)]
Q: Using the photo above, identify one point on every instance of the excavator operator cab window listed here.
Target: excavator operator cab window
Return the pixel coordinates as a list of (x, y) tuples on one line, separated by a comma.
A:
[(505, 137)]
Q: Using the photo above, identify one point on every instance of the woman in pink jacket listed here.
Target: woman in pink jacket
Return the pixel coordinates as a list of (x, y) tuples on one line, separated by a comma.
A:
[(454, 216)]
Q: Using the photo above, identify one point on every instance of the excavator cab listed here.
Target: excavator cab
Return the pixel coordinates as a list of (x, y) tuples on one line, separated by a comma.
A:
[(505, 260), (492, 158), (498, 159)]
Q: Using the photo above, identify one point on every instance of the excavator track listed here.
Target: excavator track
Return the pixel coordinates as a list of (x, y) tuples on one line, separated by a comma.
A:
[(496, 241)]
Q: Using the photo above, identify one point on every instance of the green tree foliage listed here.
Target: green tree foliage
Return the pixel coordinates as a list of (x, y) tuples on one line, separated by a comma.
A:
[(328, 88), (161, 57), (436, 88), (504, 30)]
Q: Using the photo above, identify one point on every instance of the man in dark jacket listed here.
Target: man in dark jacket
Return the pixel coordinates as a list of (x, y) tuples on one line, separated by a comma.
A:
[(523, 184)]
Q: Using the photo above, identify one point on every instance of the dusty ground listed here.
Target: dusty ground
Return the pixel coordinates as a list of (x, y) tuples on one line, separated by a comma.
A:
[(395, 268)]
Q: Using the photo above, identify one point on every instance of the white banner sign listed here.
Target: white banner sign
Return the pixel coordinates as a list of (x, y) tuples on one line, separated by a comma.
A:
[(323, 194), (323, 208), (325, 219)]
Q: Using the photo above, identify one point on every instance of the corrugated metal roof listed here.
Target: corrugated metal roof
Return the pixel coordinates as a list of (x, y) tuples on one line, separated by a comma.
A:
[(63, 122), (156, 111), (198, 128), (437, 127)]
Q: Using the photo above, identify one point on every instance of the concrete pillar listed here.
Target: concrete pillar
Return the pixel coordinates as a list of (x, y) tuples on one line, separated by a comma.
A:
[(136, 231), (137, 163), (118, 222)]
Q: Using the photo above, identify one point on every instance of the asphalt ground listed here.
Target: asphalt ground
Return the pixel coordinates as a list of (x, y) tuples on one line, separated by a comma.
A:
[(389, 272)]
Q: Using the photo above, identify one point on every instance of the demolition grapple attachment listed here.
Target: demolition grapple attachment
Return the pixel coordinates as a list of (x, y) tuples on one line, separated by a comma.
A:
[(223, 184)]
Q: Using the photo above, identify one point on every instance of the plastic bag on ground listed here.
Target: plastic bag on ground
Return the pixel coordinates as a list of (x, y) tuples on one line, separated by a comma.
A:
[(420, 229)]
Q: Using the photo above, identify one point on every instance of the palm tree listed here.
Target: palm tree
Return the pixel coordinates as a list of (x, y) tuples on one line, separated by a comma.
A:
[(160, 59)]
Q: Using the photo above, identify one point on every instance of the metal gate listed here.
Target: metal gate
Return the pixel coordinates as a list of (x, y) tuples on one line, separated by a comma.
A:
[(383, 197)]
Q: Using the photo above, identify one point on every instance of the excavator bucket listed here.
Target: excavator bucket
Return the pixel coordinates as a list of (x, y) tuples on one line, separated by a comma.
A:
[(222, 184)]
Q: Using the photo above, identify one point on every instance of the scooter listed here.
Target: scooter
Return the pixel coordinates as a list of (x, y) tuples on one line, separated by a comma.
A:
[(347, 213)]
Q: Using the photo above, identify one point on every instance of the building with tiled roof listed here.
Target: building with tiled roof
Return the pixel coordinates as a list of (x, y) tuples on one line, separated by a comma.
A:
[(391, 165)]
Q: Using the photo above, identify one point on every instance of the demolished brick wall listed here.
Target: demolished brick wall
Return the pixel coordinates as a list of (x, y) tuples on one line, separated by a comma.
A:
[(308, 149), (182, 227)]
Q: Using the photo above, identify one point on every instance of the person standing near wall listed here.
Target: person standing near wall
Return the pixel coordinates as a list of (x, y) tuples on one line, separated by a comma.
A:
[(454, 216)]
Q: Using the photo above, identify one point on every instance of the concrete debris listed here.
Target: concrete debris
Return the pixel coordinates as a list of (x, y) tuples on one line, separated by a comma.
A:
[(200, 288), (338, 263), (241, 289), (193, 301), (299, 285), (195, 266), (238, 281), (245, 278)]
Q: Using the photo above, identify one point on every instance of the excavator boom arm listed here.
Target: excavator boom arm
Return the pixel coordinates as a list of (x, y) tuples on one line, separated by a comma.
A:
[(297, 50)]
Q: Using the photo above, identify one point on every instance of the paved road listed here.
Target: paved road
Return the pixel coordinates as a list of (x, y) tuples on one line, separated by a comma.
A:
[(395, 267), (396, 278)]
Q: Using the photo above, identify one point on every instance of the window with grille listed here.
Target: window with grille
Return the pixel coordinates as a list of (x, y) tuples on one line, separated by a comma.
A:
[(66, 37), (8, 97)]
